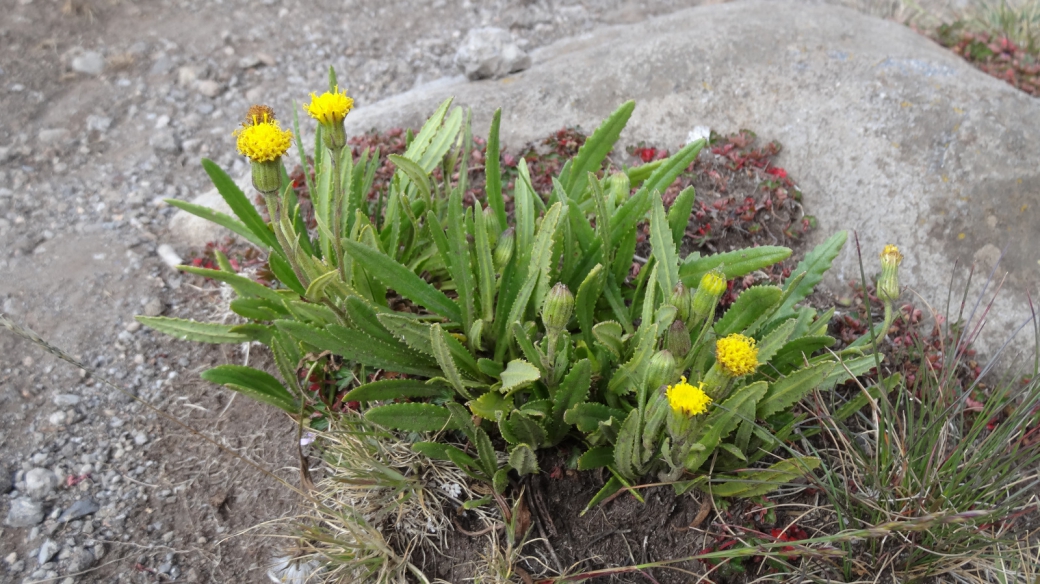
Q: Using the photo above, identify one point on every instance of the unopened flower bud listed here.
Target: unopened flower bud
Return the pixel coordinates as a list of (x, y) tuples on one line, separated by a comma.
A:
[(267, 176), (677, 339), (682, 300), (661, 370), (492, 224), (557, 309), (713, 284), (620, 187), (504, 248), (888, 283)]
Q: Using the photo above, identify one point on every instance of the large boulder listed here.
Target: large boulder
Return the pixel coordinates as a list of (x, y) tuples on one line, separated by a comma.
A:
[(887, 133)]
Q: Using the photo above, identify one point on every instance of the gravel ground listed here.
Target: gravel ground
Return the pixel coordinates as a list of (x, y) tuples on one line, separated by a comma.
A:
[(107, 107)]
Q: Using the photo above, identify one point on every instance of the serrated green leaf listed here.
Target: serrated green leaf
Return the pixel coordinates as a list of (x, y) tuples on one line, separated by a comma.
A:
[(814, 266), (253, 383), (587, 416), (224, 220), (485, 452), (492, 171), (748, 308), (598, 457), (626, 449), (596, 148), (403, 280), (412, 417), (585, 302), (608, 334), (723, 420), (485, 265), (612, 486), (523, 460), (241, 285), (500, 481), (679, 214), (773, 341), (517, 374), (356, 346), (785, 392), (190, 330), (663, 248), (445, 360), (673, 166), (416, 335), (240, 206), (414, 172), (527, 346), (490, 368), (520, 428), (489, 405), (390, 389), (736, 263), (460, 266)]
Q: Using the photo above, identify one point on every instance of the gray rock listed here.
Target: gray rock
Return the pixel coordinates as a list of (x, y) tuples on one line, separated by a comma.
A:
[(51, 135), (80, 508), (210, 88), (6, 480), (490, 53), (81, 560), (40, 483), (886, 132), (88, 63), (190, 231), (153, 307), (24, 512), (64, 400), (99, 123), (164, 142), (48, 550)]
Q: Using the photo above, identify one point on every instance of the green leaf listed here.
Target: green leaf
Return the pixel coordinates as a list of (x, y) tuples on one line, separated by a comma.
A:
[(522, 429), (460, 265), (430, 129), (445, 360), (595, 149), (492, 172), (608, 334), (722, 421), (190, 330), (490, 404), (598, 457), (679, 214), (626, 449), (587, 416), (518, 373), (533, 354), (390, 389), (415, 174), (500, 481), (857, 366), (357, 346), (797, 350), (774, 340), (735, 263), (758, 482), (663, 249), (283, 271), (412, 417), (585, 302), (785, 392), (628, 215), (240, 205), (485, 452), (490, 368), (416, 335), (253, 383), (485, 265), (748, 308), (665, 175), (226, 221), (403, 280), (814, 266), (613, 486), (434, 450), (574, 389), (523, 460), (241, 285)]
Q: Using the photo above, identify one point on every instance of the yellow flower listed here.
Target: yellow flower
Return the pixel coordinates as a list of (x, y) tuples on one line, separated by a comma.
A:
[(714, 282), (330, 107), (890, 256), (737, 355), (263, 141), (687, 399)]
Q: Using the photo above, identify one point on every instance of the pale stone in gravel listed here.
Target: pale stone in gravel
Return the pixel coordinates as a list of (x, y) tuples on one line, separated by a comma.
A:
[(210, 88), (193, 232), (40, 483), (24, 512), (490, 53), (89, 63), (886, 132), (48, 550)]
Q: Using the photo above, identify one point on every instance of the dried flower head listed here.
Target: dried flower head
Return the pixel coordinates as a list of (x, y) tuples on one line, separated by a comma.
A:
[(330, 107), (737, 355), (258, 114), (688, 399)]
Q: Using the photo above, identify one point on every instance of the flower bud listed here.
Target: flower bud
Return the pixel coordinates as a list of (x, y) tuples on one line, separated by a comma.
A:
[(558, 307), (682, 300), (713, 284), (492, 225), (329, 109), (888, 283), (504, 248), (677, 339), (267, 176), (661, 370), (620, 187)]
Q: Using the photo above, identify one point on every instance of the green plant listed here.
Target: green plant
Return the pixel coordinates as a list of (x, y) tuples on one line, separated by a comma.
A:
[(464, 338)]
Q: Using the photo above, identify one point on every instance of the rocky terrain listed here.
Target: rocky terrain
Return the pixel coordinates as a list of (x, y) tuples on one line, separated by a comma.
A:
[(108, 107)]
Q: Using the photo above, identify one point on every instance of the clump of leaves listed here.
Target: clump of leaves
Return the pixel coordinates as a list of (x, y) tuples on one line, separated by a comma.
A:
[(995, 54)]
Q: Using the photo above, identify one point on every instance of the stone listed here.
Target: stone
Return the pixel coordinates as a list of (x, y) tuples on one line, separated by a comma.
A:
[(886, 132), (24, 512), (48, 550), (210, 88), (154, 307), (99, 123), (164, 142), (64, 400), (88, 63), (40, 483), (81, 560), (489, 53), (6, 480), (51, 135), (80, 508), (192, 232)]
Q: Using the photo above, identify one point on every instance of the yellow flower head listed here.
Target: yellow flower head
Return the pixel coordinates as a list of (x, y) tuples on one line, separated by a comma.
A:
[(890, 256), (687, 399), (736, 354), (263, 141), (330, 107), (714, 282)]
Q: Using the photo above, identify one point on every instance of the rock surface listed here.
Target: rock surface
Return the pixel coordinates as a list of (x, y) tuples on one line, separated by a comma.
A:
[(889, 134), (193, 232), (489, 53)]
